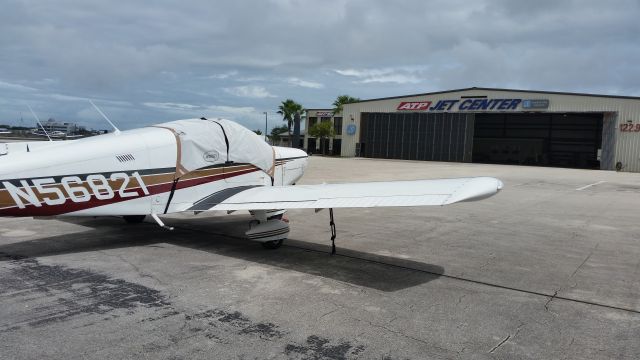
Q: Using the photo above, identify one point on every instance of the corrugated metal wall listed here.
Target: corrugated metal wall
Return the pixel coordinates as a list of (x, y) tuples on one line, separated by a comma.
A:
[(627, 144), (417, 136)]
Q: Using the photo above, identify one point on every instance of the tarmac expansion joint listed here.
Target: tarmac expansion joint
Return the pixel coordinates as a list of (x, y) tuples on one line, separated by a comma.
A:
[(510, 336)]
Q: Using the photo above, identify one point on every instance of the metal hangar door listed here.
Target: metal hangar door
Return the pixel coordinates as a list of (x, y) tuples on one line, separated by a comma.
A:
[(544, 139), (417, 136)]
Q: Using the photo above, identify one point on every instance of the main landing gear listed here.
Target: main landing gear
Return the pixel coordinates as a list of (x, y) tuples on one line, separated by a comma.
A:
[(269, 227), (273, 244)]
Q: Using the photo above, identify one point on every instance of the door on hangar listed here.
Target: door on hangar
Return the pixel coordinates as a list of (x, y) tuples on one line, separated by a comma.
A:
[(543, 139), (311, 146), (337, 147), (417, 136)]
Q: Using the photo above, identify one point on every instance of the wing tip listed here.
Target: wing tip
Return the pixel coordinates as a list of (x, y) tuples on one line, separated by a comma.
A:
[(475, 189)]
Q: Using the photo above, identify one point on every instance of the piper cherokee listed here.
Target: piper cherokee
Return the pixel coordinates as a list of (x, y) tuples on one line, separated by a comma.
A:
[(196, 165)]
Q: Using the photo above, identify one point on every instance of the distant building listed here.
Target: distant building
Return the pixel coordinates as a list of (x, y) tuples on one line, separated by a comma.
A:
[(283, 138), (496, 126), (333, 145), (52, 125)]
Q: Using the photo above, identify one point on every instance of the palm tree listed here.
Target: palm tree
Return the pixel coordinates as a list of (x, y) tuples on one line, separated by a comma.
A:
[(297, 115), (341, 100), (285, 109), (291, 112)]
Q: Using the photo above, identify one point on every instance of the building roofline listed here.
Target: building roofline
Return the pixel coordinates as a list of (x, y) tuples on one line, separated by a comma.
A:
[(499, 89), (286, 132)]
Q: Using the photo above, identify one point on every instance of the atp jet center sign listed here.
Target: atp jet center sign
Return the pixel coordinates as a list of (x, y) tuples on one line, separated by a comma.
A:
[(473, 104)]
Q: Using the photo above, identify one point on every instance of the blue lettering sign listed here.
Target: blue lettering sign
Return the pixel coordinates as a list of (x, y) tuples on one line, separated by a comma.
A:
[(483, 104), (439, 106), (514, 104), (444, 105), (465, 105)]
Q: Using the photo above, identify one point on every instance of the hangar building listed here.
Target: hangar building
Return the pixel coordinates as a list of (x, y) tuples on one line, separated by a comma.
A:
[(501, 126)]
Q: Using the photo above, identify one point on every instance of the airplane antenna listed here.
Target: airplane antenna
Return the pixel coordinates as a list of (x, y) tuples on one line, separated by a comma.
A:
[(39, 123), (117, 131)]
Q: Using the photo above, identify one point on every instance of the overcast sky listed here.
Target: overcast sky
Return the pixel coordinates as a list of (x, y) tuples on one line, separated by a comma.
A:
[(146, 62)]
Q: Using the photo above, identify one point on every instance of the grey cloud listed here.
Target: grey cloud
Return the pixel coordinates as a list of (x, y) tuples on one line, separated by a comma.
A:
[(252, 55), (224, 75), (249, 91), (305, 83), (15, 87), (385, 75), (171, 106)]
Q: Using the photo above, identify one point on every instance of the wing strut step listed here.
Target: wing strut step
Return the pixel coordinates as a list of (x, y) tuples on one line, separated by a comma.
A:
[(332, 224)]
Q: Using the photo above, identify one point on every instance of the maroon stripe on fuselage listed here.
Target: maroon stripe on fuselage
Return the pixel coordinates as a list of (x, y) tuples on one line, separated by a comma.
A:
[(70, 206)]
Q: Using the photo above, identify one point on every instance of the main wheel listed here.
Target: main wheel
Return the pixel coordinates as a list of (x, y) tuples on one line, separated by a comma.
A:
[(273, 244), (134, 219)]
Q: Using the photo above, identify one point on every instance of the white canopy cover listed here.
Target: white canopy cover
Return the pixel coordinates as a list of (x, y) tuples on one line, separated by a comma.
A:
[(201, 143)]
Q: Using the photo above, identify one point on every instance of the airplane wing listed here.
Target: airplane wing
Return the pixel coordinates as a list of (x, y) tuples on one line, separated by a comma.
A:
[(351, 195)]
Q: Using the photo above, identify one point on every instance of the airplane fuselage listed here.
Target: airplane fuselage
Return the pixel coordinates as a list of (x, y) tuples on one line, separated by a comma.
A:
[(130, 173)]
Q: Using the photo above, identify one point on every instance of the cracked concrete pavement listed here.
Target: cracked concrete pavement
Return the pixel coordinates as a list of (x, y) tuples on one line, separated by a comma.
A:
[(541, 271)]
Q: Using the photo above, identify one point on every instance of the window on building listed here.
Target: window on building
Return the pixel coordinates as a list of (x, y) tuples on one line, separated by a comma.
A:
[(312, 121), (323, 119), (337, 125)]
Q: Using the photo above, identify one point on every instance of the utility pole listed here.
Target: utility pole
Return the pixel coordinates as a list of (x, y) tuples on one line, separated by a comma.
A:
[(265, 126)]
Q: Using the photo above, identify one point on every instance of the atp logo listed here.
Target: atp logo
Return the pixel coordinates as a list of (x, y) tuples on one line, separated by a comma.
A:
[(414, 105)]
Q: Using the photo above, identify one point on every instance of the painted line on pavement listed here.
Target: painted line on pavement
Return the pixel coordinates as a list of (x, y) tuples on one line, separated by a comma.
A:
[(590, 185)]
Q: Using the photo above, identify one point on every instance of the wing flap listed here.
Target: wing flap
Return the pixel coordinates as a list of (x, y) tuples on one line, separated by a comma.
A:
[(354, 195)]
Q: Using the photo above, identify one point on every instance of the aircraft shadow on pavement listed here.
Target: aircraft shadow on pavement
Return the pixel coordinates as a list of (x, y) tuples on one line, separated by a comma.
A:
[(379, 272)]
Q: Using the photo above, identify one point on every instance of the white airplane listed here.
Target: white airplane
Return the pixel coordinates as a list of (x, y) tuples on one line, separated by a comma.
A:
[(196, 165)]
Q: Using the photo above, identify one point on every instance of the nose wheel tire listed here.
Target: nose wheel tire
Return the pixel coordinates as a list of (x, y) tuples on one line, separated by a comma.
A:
[(273, 244)]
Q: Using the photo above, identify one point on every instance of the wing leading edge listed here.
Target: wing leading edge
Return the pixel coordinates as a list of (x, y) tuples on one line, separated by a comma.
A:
[(352, 195)]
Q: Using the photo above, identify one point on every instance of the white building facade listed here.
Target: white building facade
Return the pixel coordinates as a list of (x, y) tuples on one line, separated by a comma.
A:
[(332, 146)]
